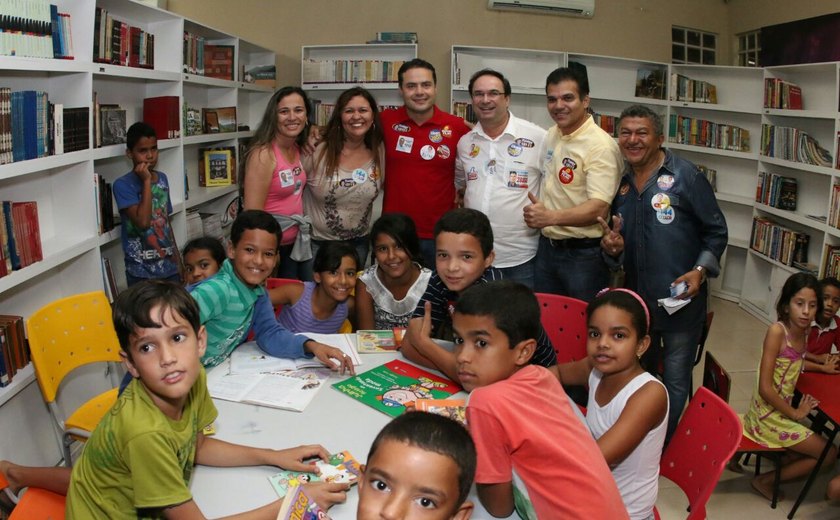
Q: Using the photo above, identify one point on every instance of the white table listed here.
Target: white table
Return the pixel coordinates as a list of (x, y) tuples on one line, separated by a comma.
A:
[(332, 419)]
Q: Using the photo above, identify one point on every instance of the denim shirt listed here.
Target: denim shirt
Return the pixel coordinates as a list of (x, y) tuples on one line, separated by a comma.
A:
[(674, 224)]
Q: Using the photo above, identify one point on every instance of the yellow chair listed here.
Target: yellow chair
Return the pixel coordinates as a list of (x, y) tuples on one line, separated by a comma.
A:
[(65, 335)]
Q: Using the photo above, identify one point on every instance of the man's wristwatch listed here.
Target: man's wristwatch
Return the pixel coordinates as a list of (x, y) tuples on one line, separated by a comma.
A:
[(702, 270)]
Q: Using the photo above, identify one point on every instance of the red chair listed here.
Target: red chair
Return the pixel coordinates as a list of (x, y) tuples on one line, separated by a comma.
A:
[(706, 438), (36, 504), (564, 320)]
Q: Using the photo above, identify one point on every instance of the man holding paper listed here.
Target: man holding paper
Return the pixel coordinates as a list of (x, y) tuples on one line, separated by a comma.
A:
[(669, 233)]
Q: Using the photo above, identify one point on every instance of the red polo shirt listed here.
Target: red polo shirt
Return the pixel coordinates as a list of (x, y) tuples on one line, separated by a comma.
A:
[(420, 165), (821, 340)]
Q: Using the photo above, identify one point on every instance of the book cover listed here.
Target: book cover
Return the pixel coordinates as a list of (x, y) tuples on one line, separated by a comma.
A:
[(455, 409), (389, 388), (112, 126), (375, 341), (163, 114), (218, 61), (203, 173), (787, 194), (298, 505), (218, 167), (650, 83), (342, 468)]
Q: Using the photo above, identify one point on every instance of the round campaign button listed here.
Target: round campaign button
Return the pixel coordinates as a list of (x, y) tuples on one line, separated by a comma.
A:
[(665, 182), (427, 152), (660, 201), (360, 175)]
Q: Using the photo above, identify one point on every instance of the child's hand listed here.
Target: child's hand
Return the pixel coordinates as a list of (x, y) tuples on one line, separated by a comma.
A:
[(295, 459), (327, 494), (831, 364), (806, 404), (331, 357), (143, 171)]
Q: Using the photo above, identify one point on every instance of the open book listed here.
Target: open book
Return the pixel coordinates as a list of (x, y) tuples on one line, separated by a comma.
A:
[(248, 358), (289, 390)]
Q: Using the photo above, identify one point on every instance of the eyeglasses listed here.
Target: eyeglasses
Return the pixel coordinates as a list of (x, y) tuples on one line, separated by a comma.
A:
[(492, 94)]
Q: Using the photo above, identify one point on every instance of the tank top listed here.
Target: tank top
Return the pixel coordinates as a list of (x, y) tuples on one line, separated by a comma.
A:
[(299, 318), (285, 193)]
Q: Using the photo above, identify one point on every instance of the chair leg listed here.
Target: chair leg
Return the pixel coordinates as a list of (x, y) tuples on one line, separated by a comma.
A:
[(777, 480), (757, 464), (67, 442)]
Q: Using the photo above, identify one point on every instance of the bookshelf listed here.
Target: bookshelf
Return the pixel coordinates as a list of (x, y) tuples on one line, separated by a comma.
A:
[(63, 184)]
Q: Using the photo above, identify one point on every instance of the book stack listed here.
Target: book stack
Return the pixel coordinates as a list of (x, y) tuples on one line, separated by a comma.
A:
[(692, 90), (163, 114), (104, 204), (395, 37), (26, 29), (607, 123), (193, 53), (218, 61), (264, 75), (710, 174), (779, 243), (20, 236), (350, 71), (14, 349), (782, 94), (699, 132), (776, 191), (792, 144), (650, 83), (76, 128), (216, 166), (464, 111), (119, 43), (62, 38)]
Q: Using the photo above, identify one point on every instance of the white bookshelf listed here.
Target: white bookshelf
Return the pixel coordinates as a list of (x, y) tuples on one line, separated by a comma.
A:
[(64, 189)]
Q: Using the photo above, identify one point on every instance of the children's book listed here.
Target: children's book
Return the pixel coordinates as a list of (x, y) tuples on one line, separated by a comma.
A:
[(455, 409), (249, 358), (375, 341), (298, 505), (342, 468), (391, 387)]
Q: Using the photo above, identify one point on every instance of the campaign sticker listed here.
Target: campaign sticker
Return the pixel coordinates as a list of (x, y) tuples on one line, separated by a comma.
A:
[(443, 151), (624, 189), (427, 152), (472, 174), (660, 201), (569, 163), (374, 174), (346, 183), (525, 143), (360, 175), (404, 144), (491, 167), (665, 182), (665, 215), (474, 150), (446, 131), (298, 185), (518, 179), (399, 127), (287, 178), (514, 150), (566, 175), (435, 136)]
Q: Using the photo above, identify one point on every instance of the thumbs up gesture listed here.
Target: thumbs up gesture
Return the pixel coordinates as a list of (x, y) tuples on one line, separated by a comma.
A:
[(537, 216), (612, 242)]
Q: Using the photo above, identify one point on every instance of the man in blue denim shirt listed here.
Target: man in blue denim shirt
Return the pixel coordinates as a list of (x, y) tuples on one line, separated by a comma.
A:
[(669, 227)]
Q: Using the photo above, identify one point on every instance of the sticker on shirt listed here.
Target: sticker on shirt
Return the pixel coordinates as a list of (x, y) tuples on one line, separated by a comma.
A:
[(446, 131), (569, 163), (665, 182), (298, 185), (346, 183), (518, 179), (443, 151), (566, 175), (490, 169), (360, 175), (435, 136), (525, 143), (660, 201), (374, 174), (474, 150), (514, 150), (624, 189), (472, 174), (427, 152), (665, 215), (405, 143), (399, 127), (287, 178)]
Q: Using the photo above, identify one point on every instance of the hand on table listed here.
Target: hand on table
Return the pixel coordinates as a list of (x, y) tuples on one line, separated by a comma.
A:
[(329, 356), (612, 242), (300, 458), (327, 494), (806, 404), (831, 364)]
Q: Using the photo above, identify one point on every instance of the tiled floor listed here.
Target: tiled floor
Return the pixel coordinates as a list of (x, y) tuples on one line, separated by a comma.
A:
[(735, 339)]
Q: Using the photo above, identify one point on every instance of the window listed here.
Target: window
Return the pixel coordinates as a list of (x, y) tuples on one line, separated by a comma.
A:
[(693, 46), (749, 46)]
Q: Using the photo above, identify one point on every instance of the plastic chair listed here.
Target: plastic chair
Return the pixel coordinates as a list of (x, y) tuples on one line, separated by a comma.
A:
[(706, 438), (716, 379), (35, 504), (564, 320), (65, 335)]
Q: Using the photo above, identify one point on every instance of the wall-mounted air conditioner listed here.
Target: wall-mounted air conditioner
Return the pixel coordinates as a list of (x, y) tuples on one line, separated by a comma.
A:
[(581, 8)]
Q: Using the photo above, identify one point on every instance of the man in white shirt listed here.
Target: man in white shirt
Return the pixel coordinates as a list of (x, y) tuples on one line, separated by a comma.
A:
[(497, 166)]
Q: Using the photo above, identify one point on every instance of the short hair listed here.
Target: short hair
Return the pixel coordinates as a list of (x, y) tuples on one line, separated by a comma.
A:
[(574, 72), (622, 299), (644, 112), (416, 63), (212, 244), (495, 74), (254, 219), (138, 131), (132, 309), (512, 306), (329, 255), (438, 434), (795, 283), (469, 221), (401, 228), (829, 281)]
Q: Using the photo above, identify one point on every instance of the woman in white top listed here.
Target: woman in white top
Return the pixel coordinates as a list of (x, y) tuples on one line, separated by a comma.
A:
[(388, 291)]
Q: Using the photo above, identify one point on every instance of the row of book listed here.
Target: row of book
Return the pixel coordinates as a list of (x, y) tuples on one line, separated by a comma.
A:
[(193, 53), (710, 174), (831, 261), (834, 207), (14, 349), (350, 71), (206, 59), (699, 132), (109, 123), (104, 199), (119, 43), (34, 29), (608, 123), (20, 236), (779, 243), (779, 93), (692, 90), (776, 191), (792, 144), (464, 111)]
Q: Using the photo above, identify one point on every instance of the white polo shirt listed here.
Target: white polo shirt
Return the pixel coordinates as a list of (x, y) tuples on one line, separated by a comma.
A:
[(498, 174)]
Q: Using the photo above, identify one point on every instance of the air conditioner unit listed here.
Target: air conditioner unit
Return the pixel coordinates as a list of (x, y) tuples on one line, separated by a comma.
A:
[(581, 8)]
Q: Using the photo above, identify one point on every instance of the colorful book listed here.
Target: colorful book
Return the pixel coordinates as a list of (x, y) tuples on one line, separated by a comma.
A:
[(299, 505), (218, 167), (375, 341), (342, 468), (391, 387), (455, 409)]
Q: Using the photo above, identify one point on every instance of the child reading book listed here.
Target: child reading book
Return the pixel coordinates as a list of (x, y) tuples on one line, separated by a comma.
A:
[(203, 257), (822, 354)]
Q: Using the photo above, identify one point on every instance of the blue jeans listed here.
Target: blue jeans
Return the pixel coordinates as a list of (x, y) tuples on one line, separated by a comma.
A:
[(579, 273), (522, 273), (292, 269), (427, 251), (132, 280), (362, 245), (677, 350)]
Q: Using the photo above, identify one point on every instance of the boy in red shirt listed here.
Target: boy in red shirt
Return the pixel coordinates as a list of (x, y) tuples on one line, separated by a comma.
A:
[(821, 355)]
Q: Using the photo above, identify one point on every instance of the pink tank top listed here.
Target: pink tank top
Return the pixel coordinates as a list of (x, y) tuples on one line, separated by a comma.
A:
[(286, 190)]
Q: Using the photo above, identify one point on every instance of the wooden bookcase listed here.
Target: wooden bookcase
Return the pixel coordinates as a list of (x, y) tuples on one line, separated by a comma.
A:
[(64, 189)]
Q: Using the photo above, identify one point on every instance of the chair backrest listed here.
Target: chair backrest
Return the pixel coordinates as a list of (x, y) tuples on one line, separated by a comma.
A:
[(70, 333), (39, 504), (716, 378), (706, 438), (564, 320)]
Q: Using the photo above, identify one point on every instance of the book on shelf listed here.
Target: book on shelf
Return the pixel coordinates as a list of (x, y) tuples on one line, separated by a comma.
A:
[(776, 191), (219, 120), (692, 90), (104, 199), (650, 83), (395, 37), (710, 174), (163, 113), (76, 129), (21, 235), (300, 505), (193, 53), (119, 43), (216, 166), (62, 37), (793, 144), (391, 387), (109, 281), (26, 29), (455, 409), (782, 94), (218, 61), (350, 71), (778, 242), (375, 341), (265, 75), (608, 123), (15, 347), (341, 468), (192, 120), (112, 129), (464, 111), (699, 132)]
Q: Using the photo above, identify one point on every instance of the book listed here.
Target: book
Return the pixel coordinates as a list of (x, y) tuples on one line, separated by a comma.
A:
[(218, 166), (299, 505), (282, 390), (391, 387), (218, 61), (455, 409), (342, 468), (375, 341), (650, 83), (112, 127), (163, 113)]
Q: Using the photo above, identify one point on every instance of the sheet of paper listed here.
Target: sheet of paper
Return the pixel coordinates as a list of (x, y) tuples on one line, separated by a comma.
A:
[(232, 387), (249, 358), (279, 391), (672, 305), (345, 342)]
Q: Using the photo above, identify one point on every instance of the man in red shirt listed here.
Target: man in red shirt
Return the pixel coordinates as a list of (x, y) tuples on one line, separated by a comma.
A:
[(421, 144)]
